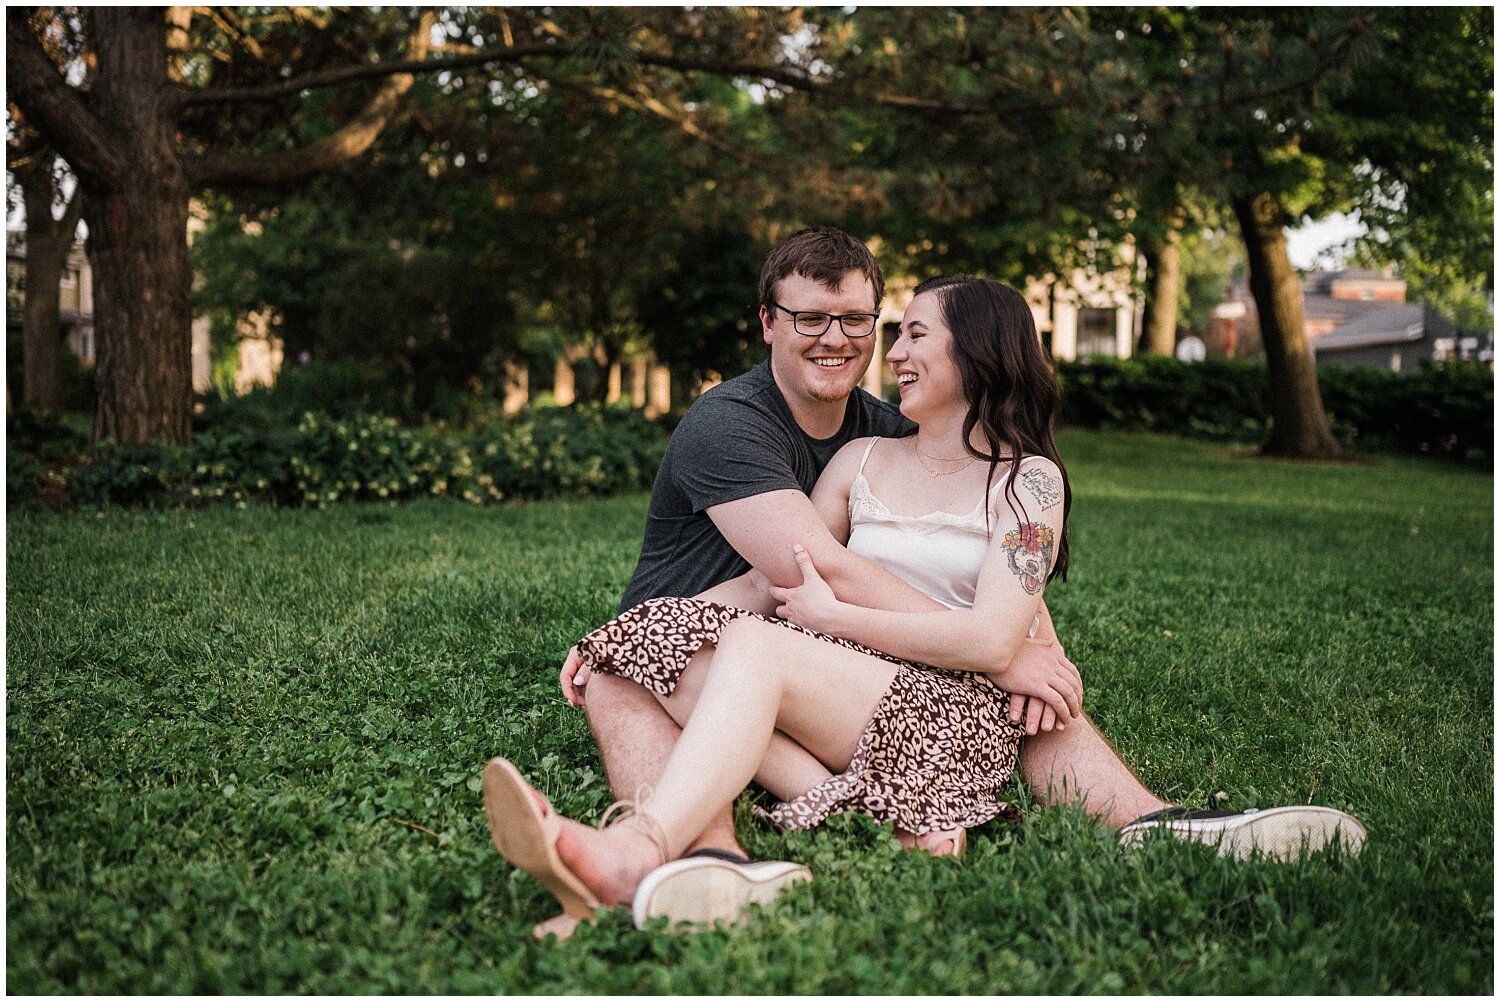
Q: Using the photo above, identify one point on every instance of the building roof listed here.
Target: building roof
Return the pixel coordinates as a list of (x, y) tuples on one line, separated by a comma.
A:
[(1322, 281), (1316, 306), (1394, 323)]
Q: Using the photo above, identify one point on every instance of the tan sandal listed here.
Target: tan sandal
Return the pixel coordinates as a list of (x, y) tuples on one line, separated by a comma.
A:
[(563, 926), (525, 828)]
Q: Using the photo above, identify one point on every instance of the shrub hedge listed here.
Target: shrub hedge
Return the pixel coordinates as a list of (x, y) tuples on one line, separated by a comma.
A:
[(1441, 410), (325, 459), (247, 449)]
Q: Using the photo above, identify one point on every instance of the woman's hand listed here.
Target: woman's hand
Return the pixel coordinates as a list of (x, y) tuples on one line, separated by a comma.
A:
[(1045, 686), (573, 678), (812, 604)]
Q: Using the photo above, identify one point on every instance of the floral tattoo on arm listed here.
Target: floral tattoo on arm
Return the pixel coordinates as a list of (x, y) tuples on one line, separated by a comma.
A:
[(1028, 549)]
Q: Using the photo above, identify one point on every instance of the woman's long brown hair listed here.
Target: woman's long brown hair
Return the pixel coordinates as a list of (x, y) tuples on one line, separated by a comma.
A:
[(1011, 390)]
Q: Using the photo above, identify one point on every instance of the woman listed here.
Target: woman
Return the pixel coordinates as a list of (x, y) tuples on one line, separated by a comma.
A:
[(971, 510)]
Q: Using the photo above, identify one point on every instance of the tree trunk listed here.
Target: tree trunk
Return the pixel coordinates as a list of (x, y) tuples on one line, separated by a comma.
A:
[(48, 242), (1299, 427), (138, 242), (41, 333), (142, 312), (1163, 271)]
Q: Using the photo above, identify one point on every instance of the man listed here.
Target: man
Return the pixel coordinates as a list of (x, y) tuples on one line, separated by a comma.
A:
[(732, 493)]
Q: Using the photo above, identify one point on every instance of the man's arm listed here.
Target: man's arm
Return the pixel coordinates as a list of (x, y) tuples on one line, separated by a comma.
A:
[(763, 528)]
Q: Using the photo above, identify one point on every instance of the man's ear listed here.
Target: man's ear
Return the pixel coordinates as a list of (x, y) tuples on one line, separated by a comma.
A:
[(766, 323)]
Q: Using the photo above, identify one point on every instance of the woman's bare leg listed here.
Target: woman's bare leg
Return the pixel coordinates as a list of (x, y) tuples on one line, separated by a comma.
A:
[(762, 678), (787, 771)]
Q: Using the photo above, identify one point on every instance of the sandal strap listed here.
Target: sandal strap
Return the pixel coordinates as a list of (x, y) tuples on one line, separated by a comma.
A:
[(630, 810)]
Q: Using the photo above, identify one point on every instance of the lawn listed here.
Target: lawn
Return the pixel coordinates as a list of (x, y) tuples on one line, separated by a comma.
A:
[(244, 750)]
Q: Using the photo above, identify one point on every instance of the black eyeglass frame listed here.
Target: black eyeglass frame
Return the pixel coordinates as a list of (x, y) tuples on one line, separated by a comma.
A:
[(874, 321)]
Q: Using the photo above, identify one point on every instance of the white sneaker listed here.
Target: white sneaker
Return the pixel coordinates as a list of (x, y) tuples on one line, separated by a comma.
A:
[(1281, 833), (711, 886)]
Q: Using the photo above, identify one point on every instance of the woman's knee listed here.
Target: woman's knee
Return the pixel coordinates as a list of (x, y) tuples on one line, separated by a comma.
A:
[(747, 647)]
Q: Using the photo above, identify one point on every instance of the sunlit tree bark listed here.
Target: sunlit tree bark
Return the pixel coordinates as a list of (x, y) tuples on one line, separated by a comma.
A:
[(1299, 426)]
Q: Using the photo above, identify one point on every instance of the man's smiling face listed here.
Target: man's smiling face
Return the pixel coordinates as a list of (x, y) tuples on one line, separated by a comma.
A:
[(818, 370)]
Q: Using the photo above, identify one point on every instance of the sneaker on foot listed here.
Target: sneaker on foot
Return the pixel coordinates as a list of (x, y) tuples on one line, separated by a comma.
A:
[(711, 885), (1278, 832)]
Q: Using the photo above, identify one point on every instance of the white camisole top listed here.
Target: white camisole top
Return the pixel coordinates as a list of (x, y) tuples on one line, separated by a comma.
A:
[(939, 553)]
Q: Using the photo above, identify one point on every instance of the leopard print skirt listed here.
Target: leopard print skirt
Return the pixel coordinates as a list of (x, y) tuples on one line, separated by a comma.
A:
[(939, 747)]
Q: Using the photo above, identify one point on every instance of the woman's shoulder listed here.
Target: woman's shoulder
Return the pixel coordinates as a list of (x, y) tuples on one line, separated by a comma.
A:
[(1041, 479), (853, 457), (855, 450)]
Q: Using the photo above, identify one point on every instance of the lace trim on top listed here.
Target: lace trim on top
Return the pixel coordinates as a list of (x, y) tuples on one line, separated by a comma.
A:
[(864, 506)]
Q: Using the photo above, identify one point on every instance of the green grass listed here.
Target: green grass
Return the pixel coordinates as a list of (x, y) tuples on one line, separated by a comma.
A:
[(225, 727)]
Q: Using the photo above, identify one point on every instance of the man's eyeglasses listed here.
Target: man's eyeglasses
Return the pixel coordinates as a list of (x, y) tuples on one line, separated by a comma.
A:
[(815, 324)]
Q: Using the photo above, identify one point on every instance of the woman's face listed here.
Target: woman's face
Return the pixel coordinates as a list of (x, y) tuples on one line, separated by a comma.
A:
[(922, 363)]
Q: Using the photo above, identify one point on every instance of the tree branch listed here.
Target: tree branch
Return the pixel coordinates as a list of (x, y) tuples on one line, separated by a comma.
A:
[(44, 97), (73, 213), (189, 97), (680, 118), (247, 167)]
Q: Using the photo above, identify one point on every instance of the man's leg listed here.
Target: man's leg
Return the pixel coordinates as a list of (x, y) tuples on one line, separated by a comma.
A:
[(1078, 766)]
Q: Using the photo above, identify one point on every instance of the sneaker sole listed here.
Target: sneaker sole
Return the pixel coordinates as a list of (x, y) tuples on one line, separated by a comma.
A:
[(703, 890), (1283, 833)]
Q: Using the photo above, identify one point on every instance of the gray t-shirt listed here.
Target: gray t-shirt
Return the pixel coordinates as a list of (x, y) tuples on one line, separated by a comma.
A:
[(738, 440)]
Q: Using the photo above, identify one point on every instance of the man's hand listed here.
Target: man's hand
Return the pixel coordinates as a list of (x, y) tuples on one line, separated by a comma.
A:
[(573, 677), (1046, 689), (812, 604)]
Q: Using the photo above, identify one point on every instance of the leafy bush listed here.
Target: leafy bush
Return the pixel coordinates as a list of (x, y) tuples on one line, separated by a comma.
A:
[(238, 462), (1442, 410), (47, 437), (365, 458), (241, 455), (38, 449), (583, 450), (20, 475), (338, 389), (132, 474)]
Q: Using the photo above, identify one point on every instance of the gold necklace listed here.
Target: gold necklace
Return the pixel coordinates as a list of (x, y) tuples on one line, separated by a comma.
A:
[(922, 458)]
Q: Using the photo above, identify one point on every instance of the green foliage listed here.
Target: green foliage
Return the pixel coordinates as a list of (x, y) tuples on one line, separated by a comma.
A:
[(560, 452), (700, 309), (364, 458), (1442, 410), (1211, 260), (1215, 399), (149, 473), (48, 437), (340, 389), (249, 763), (38, 448), (242, 455)]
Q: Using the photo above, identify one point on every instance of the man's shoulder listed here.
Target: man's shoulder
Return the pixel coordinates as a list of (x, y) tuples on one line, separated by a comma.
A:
[(748, 397), (884, 418), (748, 386)]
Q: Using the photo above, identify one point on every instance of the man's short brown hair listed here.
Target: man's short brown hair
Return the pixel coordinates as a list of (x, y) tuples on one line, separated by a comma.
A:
[(822, 254)]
